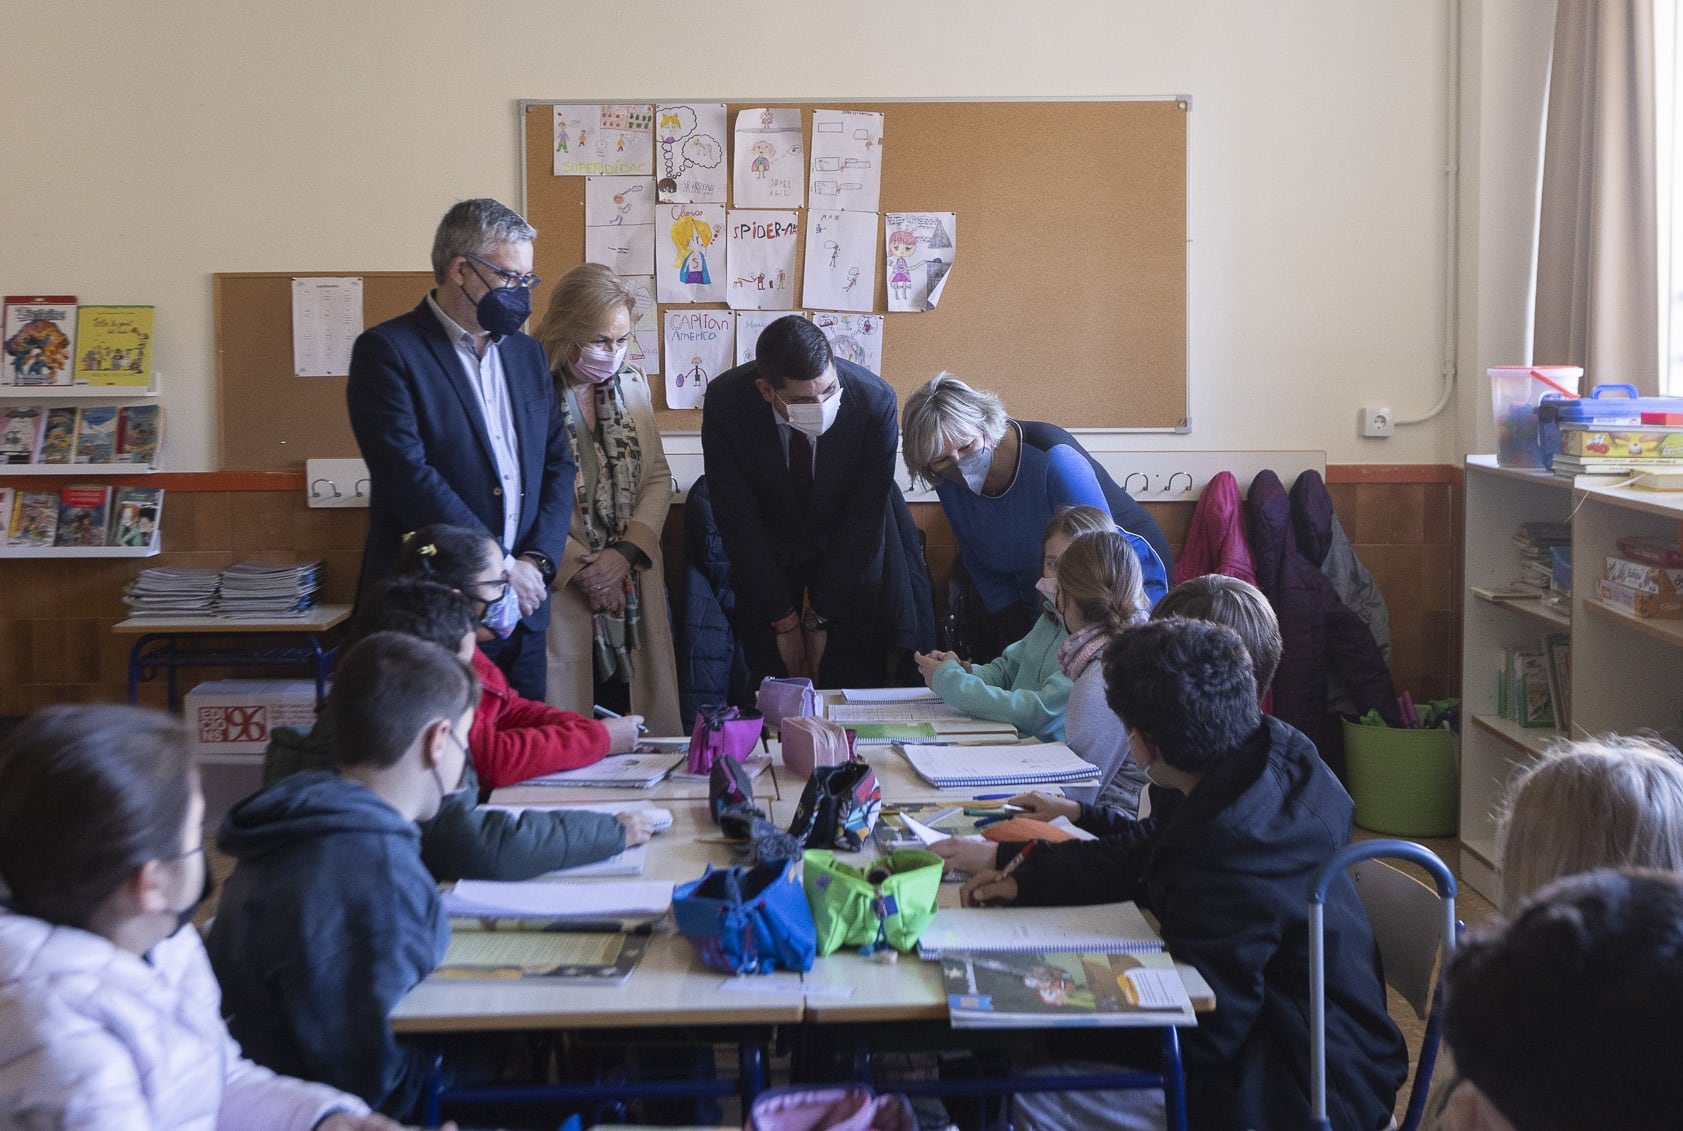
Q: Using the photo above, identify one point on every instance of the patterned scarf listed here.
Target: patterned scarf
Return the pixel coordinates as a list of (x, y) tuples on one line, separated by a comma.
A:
[(1082, 648), (619, 471)]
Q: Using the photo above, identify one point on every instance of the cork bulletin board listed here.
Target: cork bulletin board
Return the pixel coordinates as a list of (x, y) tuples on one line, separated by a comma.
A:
[(1068, 290), (271, 419)]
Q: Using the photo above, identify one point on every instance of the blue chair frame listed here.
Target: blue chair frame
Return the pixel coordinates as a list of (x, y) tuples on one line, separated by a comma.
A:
[(1337, 866)]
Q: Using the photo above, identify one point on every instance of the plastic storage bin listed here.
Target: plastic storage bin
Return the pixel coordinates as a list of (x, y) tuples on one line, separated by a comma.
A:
[(1404, 782), (1515, 391), (1605, 407)]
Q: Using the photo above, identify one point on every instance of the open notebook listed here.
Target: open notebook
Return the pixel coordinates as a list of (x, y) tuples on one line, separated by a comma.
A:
[(965, 767)]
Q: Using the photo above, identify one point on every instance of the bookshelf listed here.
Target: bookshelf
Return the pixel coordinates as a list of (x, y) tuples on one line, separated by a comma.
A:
[(1622, 666)]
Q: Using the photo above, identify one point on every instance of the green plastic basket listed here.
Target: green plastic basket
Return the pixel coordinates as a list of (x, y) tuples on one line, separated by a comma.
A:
[(1404, 782)]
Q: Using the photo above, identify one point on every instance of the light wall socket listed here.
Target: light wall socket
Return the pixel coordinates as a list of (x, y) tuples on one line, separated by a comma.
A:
[(1376, 421)]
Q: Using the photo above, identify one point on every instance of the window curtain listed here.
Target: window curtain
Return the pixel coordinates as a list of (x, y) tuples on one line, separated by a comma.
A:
[(1598, 302)]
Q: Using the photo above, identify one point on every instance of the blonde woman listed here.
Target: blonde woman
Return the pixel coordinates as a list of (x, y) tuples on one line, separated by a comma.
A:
[(612, 640), (1615, 801)]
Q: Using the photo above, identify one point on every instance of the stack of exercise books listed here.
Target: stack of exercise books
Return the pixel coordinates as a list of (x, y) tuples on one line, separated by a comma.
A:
[(1025, 764), (172, 591), (881, 716), (260, 591), (1537, 541)]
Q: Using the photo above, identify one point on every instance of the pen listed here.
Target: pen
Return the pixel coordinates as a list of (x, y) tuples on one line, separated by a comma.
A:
[(602, 712), (979, 796)]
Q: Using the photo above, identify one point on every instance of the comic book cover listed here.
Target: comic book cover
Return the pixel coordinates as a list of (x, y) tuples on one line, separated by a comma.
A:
[(39, 336), (114, 345), (138, 511), (96, 434), (34, 519), (20, 433), (58, 436), (137, 433), (83, 511)]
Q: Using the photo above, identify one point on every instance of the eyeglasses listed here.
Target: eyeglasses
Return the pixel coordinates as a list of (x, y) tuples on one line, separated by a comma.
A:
[(477, 590), (826, 395), (509, 278)]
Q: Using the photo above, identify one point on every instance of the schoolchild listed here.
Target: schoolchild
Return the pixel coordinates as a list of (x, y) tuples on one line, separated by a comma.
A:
[(110, 1016), (1226, 872), (330, 917), (1024, 686), (465, 840)]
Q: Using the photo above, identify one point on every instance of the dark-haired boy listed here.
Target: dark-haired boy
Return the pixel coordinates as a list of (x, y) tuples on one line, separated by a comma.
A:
[(1227, 872), (330, 917)]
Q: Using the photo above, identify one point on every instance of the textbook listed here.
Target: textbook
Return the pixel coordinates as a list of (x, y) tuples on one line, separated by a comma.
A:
[(618, 771), (966, 767), (114, 345), (96, 434), (20, 433), (1102, 928), (84, 512), (34, 519), (489, 950), (1063, 989), (39, 335)]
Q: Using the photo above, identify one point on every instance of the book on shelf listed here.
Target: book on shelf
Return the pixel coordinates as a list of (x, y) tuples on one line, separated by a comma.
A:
[(20, 433), (114, 346), (1666, 552), (136, 516), (84, 515), (1557, 655), (137, 433), (58, 436), (1034, 763), (34, 519), (489, 950), (1063, 989), (39, 334), (96, 434), (1524, 695)]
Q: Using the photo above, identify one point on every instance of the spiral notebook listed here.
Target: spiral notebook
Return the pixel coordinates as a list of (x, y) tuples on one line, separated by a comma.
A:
[(1099, 928), (966, 767)]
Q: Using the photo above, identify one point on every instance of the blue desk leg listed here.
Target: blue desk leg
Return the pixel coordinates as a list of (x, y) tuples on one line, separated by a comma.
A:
[(432, 1092), (1174, 1081), (750, 1068)]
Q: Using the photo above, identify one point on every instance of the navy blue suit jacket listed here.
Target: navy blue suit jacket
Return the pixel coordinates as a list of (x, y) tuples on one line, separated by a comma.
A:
[(422, 433), (764, 529)]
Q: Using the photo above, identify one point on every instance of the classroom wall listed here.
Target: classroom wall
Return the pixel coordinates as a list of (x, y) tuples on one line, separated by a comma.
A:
[(160, 143)]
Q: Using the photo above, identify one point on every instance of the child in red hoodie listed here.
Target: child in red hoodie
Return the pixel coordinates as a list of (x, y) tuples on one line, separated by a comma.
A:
[(513, 738)]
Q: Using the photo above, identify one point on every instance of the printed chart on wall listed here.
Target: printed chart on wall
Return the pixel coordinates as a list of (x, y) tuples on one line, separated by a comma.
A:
[(619, 231), (594, 141), (921, 248), (841, 260), (690, 152), (643, 350), (762, 259), (853, 337), (699, 347), (846, 160), (690, 261), (749, 325), (769, 172)]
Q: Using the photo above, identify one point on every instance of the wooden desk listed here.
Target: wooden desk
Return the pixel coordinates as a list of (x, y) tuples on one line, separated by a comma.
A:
[(169, 644)]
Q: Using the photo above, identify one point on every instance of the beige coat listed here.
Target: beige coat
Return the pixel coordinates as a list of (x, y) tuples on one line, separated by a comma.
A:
[(654, 687)]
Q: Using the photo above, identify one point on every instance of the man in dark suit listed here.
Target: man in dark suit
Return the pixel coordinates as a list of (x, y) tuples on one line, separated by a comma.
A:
[(799, 451), (457, 418)]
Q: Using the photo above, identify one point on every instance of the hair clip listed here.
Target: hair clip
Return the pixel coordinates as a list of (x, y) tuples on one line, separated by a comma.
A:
[(427, 551)]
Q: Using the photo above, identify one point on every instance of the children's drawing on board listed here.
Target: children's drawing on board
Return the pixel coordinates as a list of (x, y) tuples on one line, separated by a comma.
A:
[(603, 140), (846, 160), (853, 337), (768, 168), (690, 146), (692, 263), (920, 248), (749, 325), (841, 256), (762, 259), (619, 229), (700, 344), (643, 348)]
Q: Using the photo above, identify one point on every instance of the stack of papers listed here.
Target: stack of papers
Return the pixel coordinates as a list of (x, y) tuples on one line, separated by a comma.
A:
[(172, 591), (254, 590), (948, 767), (621, 771), (924, 710), (558, 900)]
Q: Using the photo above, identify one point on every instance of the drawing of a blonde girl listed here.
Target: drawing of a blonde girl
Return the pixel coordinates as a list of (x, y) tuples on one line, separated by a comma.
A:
[(901, 245), (763, 152), (692, 236)]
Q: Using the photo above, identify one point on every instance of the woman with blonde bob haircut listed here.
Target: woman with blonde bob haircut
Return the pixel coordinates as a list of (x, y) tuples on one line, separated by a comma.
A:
[(613, 640), (999, 480)]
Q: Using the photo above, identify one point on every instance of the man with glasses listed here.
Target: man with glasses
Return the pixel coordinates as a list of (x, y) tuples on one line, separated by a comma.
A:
[(457, 418), (799, 451)]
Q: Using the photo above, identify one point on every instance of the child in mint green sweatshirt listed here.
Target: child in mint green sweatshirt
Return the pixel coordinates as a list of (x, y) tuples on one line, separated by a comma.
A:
[(1025, 687)]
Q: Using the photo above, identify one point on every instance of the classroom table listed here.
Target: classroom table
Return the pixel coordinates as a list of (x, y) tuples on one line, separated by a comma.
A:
[(169, 644)]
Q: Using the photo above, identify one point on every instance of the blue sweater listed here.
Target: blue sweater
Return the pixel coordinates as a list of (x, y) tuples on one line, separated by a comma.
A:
[(329, 918)]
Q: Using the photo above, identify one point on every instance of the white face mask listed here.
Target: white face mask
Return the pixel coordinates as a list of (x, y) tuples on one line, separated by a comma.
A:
[(813, 420), (599, 366), (974, 468)]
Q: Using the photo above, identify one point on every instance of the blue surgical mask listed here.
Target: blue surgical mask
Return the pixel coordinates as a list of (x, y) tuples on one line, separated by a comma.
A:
[(502, 614), (503, 310), (973, 468)]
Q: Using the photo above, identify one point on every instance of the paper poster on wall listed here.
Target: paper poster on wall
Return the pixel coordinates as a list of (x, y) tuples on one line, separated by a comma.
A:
[(769, 171), (643, 350), (690, 257), (841, 260), (699, 346), (749, 325), (603, 141), (920, 247), (853, 337), (762, 259), (690, 152), (326, 321), (619, 230), (846, 160)]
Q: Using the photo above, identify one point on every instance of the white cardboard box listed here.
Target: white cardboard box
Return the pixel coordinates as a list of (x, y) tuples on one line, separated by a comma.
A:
[(236, 716)]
